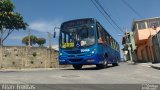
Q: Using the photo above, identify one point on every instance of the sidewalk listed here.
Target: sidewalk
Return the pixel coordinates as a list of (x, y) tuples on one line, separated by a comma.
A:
[(32, 69), (156, 66), (28, 69)]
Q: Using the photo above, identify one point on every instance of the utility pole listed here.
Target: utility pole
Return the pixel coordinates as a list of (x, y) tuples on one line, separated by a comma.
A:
[(49, 38), (128, 43), (1, 44), (50, 43), (50, 48), (130, 53), (2, 31), (29, 45), (1, 38), (1, 55), (54, 35), (29, 34)]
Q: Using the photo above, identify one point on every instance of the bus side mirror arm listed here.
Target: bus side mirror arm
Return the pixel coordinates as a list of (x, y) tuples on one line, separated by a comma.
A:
[(54, 34)]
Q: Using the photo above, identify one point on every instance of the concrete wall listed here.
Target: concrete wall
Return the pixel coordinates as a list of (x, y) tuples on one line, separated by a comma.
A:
[(156, 47), (27, 57)]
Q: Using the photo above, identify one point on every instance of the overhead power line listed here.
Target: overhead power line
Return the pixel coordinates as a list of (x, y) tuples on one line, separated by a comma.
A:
[(130, 7), (103, 14), (106, 15)]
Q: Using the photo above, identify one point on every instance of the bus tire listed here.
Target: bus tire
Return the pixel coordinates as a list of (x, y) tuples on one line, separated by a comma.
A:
[(115, 64), (77, 66), (102, 66)]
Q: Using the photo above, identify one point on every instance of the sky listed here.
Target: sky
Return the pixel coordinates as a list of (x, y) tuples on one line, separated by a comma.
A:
[(43, 15)]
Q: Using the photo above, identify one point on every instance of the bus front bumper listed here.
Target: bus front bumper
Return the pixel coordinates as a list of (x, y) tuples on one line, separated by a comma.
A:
[(84, 60)]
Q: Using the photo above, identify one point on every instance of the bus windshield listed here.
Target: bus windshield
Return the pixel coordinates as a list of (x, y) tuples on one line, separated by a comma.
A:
[(80, 36)]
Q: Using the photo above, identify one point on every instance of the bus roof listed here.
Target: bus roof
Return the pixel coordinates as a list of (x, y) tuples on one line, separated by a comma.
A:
[(77, 20)]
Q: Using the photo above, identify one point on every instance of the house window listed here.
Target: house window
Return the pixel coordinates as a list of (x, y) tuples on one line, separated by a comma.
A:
[(152, 22), (141, 25), (135, 28)]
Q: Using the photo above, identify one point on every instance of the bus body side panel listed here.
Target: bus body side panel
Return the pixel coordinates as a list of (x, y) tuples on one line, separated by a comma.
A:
[(112, 55), (104, 49), (101, 53)]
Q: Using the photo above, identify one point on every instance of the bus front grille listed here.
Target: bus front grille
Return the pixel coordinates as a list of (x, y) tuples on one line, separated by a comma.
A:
[(74, 52), (75, 60)]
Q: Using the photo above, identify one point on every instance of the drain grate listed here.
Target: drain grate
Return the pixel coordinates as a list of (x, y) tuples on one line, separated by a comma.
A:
[(70, 76)]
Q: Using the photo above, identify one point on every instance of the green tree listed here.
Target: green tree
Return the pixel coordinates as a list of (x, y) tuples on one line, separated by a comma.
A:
[(41, 41), (9, 20), (33, 40)]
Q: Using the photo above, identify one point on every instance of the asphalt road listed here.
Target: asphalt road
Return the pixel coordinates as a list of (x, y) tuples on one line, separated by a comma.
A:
[(123, 77), (123, 74)]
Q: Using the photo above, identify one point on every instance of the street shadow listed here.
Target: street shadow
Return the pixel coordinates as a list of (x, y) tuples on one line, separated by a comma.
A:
[(8, 71), (90, 68)]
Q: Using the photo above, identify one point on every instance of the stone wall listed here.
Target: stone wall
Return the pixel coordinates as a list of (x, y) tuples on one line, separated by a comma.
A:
[(27, 57)]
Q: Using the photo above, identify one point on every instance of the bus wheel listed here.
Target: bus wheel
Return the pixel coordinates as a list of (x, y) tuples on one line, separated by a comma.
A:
[(102, 66), (115, 64), (77, 67)]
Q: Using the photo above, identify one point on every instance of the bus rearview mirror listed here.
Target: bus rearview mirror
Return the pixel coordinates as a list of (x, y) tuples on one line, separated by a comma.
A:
[(54, 34)]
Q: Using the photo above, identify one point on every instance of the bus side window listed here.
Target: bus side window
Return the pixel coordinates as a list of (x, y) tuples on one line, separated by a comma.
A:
[(111, 42), (103, 35), (99, 33), (107, 38)]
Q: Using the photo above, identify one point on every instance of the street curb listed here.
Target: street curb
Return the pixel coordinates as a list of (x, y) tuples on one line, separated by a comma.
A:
[(37, 69), (131, 63), (29, 69), (155, 67)]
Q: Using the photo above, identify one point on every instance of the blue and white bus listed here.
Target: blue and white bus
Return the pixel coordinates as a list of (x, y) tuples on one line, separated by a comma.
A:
[(86, 42)]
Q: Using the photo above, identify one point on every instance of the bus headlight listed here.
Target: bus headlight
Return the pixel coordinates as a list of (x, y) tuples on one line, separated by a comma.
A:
[(92, 52), (60, 54)]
